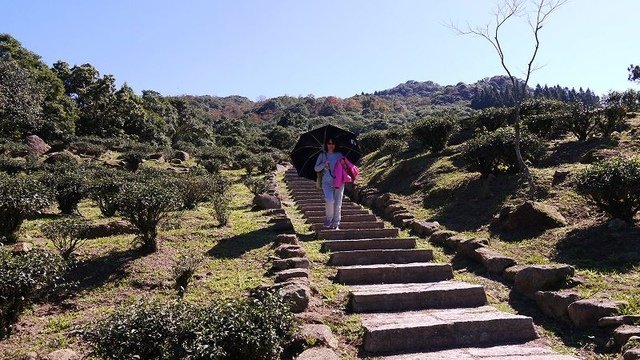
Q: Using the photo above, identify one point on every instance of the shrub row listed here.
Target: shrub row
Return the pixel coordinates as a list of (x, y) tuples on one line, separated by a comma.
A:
[(259, 327)]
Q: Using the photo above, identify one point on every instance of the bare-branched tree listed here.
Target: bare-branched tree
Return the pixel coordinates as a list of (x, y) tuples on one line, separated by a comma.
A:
[(536, 12)]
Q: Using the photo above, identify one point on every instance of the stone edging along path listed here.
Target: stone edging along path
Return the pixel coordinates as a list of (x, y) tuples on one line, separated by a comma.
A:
[(410, 307)]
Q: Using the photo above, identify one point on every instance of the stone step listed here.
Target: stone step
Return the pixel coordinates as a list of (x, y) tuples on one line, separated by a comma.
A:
[(527, 351), (444, 329), (345, 206), (415, 296), (394, 273), (345, 218), (320, 203), (364, 244), (307, 194), (315, 213), (317, 197), (380, 256), (352, 225), (349, 234)]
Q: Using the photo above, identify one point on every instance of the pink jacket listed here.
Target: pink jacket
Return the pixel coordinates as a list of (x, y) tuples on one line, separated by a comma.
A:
[(342, 173)]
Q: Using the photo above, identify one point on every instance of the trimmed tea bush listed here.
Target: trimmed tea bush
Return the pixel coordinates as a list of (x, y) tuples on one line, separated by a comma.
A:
[(613, 185), (434, 132), (490, 153), (65, 234), (194, 188), (221, 199), (492, 119), (259, 327), (582, 120), (24, 279), (20, 196), (613, 119), (256, 184), (145, 204), (544, 117), (103, 188), (266, 164), (183, 269), (69, 186)]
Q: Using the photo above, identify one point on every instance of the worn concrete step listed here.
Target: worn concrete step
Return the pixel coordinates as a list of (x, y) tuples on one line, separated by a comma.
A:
[(315, 197), (352, 225), (444, 329), (306, 194), (320, 203), (312, 213), (415, 296), (364, 244), (380, 256), (346, 218), (394, 273), (527, 351), (349, 234)]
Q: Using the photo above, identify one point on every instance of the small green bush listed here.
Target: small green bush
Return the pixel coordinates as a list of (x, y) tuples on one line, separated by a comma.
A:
[(69, 185), (434, 132), (13, 166), (613, 119), (194, 188), (266, 164), (20, 196), (259, 327), (88, 148), (582, 120), (544, 117), (492, 152), (24, 279), (393, 147), (221, 199), (133, 159), (256, 184), (103, 188), (184, 267), (491, 119), (65, 233), (145, 203), (372, 141), (613, 185), (250, 163)]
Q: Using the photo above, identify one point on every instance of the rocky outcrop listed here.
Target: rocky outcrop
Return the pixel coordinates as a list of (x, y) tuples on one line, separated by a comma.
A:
[(529, 216), (266, 201), (36, 145), (542, 277)]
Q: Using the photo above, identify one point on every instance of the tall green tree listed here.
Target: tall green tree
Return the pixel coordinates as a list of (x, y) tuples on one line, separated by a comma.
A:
[(59, 113), (20, 101)]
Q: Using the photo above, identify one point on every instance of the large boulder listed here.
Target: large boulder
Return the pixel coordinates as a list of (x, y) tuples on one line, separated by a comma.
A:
[(542, 277), (530, 215), (586, 313), (440, 236), (265, 201), (555, 303), (36, 145), (181, 155)]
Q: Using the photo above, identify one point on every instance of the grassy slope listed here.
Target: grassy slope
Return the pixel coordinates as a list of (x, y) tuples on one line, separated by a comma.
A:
[(112, 274), (438, 187)]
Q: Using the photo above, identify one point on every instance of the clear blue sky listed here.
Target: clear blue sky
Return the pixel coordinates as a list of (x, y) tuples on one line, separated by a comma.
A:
[(323, 47)]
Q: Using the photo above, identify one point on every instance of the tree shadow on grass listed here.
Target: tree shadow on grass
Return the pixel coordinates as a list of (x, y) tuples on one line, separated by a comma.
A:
[(95, 272), (573, 151), (238, 245), (462, 208), (600, 248)]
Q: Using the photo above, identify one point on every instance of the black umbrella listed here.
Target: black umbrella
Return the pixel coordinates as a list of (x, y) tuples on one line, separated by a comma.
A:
[(311, 144)]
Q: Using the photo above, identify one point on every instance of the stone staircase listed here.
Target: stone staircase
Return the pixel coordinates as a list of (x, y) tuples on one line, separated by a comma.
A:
[(410, 306)]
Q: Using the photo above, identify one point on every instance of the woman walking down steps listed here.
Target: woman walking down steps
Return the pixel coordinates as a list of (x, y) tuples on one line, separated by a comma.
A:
[(326, 163)]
